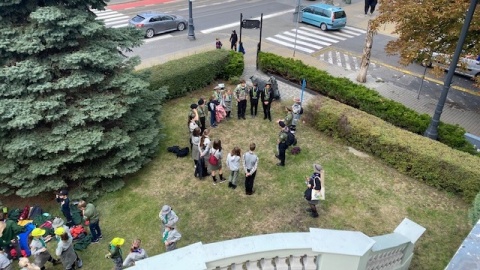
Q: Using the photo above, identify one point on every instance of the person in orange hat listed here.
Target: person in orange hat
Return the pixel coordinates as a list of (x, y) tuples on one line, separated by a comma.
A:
[(115, 252), (39, 250)]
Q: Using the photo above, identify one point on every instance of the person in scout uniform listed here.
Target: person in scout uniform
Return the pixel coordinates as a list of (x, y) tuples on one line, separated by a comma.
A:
[(241, 92), (254, 94), (314, 182), (115, 252), (288, 118), (58, 222), (39, 250), (202, 114), (170, 237), (5, 263), (92, 219), (267, 97), (227, 98), (168, 216), (136, 254), (64, 249), (282, 143), (297, 111)]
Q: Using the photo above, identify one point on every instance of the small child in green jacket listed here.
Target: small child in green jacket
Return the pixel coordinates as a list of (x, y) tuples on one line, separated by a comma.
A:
[(115, 252)]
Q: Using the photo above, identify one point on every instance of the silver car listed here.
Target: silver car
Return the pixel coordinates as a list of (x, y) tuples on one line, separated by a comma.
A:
[(156, 23), (467, 66)]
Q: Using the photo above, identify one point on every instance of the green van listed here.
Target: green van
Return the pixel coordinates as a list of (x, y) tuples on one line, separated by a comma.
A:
[(325, 16)]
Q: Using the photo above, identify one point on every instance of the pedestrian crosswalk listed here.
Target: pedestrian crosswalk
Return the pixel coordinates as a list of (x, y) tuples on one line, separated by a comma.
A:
[(347, 61), (111, 18), (309, 40)]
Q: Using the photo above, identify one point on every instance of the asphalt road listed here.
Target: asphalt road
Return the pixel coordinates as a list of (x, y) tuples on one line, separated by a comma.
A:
[(211, 14)]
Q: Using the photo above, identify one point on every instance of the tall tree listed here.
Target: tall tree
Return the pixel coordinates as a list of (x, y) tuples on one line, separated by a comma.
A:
[(426, 26), (72, 111), (367, 51)]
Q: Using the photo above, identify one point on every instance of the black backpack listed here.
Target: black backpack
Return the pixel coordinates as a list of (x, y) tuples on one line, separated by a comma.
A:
[(173, 149), (291, 140), (183, 152), (35, 212)]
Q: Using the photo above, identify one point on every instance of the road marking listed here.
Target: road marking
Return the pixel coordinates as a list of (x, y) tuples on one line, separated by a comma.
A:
[(321, 33), (120, 25), (307, 39), (226, 26), (158, 38), (299, 42), (355, 29), (305, 33), (290, 45)]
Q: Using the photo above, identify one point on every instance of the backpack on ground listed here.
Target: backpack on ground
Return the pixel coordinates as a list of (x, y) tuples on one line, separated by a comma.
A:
[(35, 212), (183, 152), (173, 149), (24, 214), (78, 232), (291, 140)]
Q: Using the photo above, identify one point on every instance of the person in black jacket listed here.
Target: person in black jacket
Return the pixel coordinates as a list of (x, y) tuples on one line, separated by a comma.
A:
[(64, 201), (313, 182), (233, 40), (267, 98), (254, 94)]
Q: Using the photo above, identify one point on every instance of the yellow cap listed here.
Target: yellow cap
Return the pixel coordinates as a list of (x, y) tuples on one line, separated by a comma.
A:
[(59, 231), (117, 241), (38, 232)]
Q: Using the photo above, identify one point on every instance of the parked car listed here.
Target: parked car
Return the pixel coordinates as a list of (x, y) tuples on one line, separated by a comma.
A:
[(156, 23), (324, 16), (467, 66)]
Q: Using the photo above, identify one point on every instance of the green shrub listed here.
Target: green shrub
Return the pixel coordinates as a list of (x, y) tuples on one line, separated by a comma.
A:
[(474, 212), (363, 98), (416, 156), (193, 72)]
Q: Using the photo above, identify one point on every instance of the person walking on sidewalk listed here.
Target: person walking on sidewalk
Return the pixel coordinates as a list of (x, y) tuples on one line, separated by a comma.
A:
[(218, 44), (92, 219), (250, 165), (267, 98), (370, 4), (233, 40)]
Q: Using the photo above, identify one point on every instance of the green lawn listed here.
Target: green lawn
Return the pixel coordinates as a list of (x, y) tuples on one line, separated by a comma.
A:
[(362, 194)]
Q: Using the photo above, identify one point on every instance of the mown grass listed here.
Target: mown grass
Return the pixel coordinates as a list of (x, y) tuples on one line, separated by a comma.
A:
[(363, 194)]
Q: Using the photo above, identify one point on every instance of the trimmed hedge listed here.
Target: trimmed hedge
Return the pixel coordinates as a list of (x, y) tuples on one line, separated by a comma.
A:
[(363, 98), (196, 71), (416, 156)]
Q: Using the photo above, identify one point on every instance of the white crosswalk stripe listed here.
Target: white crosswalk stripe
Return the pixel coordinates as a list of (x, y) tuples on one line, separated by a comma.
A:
[(344, 60), (310, 39), (111, 18)]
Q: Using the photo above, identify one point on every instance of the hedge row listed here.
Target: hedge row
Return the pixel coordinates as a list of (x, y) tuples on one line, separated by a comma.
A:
[(363, 98), (196, 71), (414, 155)]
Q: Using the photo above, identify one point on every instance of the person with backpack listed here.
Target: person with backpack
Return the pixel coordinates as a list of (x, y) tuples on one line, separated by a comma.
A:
[(297, 111), (250, 165), (64, 201), (314, 184), (215, 161), (92, 219), (266, 96), (211, 109), (282, 143)]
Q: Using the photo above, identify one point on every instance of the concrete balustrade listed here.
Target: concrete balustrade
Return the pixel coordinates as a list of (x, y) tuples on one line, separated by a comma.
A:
[(319, 249)]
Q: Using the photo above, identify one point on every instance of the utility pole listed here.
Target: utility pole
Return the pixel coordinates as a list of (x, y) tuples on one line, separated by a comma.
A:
[(191, 28), (432, 130)]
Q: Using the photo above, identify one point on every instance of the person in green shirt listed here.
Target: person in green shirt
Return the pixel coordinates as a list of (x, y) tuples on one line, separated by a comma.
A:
[(115, 252), (282, 143), (92, 219)]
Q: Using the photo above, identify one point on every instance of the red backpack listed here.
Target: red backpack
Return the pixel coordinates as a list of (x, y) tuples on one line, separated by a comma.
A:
[(25, 213), (78, 232)]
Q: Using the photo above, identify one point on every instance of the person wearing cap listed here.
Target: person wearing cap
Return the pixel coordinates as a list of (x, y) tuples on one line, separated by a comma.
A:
[(64, 201), (202, 114), (5, 263), (170, 237), (136, 254), (297, 111), (241, 92), (266, 96), (64, 249), (282, 143), (39, 250), (168, 216), (313, 182), (115, 252), (92, 219), (25, 264), (250, 165), (58, 222), (254, 94)]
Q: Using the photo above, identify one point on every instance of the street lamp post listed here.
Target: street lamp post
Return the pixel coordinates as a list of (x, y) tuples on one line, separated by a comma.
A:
[(432, 130), (191, 28)]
